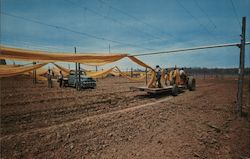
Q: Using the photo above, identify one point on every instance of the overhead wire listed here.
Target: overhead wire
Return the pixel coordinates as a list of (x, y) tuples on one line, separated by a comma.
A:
[(139, 20), (191, 49), (97, 37), (112, 19), (194, 17), (235, 13), (210, 34), (209, 19), (205, 13), (133, 17), (73, 31)]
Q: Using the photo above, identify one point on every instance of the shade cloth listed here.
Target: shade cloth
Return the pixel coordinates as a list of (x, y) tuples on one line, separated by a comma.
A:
[(84, 58), (42, 56), (13, 71)]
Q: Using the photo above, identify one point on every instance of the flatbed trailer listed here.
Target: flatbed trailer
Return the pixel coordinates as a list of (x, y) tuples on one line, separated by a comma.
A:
[(168, 89)]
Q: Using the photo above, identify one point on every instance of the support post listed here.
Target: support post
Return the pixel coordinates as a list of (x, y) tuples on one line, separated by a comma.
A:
[(109, 48), (241, 68), (76, 71), (79, 75), (146, 71), (34, 74), (131, 72), (96, 69)]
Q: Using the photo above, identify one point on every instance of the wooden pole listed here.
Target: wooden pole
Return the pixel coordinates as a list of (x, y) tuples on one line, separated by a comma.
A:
[(131, 72), (79, 75), (109, 48), (76, 72), (241, 68), (146, 71), (34, 74), (96, 69)]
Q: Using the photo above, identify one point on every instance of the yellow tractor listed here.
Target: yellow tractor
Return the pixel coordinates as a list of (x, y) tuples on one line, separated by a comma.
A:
[(173, 81), (178, 80)]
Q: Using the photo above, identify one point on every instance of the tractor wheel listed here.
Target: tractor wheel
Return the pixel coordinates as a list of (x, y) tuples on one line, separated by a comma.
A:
[(191, 83), (175, 90), (172, 82)]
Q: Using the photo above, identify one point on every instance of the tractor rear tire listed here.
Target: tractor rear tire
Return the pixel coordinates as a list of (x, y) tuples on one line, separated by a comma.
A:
[(191, 83), (175, 90)]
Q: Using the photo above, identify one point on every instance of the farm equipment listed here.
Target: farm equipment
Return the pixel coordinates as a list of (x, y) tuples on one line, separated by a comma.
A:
[(172, 82)]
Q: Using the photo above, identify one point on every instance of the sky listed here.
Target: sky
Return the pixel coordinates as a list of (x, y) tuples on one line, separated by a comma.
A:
[(129, 26)]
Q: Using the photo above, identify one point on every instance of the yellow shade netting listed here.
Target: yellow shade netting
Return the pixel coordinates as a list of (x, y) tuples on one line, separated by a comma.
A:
[(63, 69), (103, 73), (42, 56), (41, 71), (6, 71)]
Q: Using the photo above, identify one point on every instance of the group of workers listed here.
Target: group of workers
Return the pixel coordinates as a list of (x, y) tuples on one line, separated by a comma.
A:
[(50, 75), (159, 72)]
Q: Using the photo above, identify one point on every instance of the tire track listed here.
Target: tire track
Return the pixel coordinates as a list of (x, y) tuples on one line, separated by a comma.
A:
[(89, 118)]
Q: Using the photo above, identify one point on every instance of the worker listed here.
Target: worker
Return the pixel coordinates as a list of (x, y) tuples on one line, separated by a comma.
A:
[(49, 78), (182, 74), (158, 75), (182, 71), (166, 77), (60, 79)]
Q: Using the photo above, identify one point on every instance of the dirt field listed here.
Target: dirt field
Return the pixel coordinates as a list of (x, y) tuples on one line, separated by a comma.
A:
[(113, 122)]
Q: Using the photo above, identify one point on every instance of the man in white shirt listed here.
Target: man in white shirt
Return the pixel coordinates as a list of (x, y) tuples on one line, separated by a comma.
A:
[(182, 74), (49, 78), (158, 75)]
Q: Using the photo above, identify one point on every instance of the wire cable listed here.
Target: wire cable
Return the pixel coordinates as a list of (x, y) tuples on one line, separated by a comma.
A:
[(133, 17), (112, 19), (235, 13), (205, 13), (73, 31), (196, 19), (191, 49)]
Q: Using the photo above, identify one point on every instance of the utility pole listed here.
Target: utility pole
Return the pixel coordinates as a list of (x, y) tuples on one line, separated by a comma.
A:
[(241, 67), (109, 48), (79, 76), (34, 74), (76, 73), (96, 69), (131, 72)]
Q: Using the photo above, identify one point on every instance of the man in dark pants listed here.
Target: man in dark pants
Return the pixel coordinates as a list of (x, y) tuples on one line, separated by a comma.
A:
[(183, 74), (60, 79), (158, 75), (49, 78)]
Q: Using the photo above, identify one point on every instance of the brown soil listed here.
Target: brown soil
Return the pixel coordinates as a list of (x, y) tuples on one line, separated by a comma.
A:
[(112, 121)]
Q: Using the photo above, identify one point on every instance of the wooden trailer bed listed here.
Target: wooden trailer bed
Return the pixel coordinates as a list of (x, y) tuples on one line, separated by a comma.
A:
[(155, 90)]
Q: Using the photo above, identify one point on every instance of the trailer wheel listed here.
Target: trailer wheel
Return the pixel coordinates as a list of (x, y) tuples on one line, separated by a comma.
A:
[(191, 83), (175, 90)]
